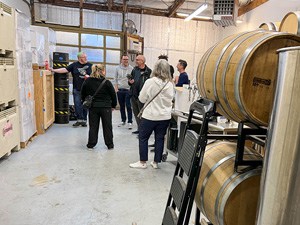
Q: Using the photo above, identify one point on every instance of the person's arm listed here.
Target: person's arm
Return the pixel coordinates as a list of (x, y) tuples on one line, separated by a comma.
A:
[(83, 91), (112, 94), (143, 96), (176, 79), (116, 80), (131, 81), (60, 70)]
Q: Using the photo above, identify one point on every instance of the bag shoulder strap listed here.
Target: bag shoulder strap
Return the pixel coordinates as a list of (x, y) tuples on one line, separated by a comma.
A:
[(100, 86), (153, 97)]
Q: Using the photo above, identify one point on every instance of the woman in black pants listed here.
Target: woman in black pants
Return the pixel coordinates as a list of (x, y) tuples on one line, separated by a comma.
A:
[(104, 102)]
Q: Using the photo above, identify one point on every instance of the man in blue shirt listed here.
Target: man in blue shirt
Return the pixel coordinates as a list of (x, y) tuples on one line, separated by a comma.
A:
[(183, 77)]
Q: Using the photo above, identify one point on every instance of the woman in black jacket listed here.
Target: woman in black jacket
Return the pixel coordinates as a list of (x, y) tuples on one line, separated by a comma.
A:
[(104, 102)]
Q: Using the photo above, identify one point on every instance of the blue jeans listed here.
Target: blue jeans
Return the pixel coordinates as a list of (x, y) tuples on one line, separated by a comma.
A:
[(80, 112), (145, 130), (124, 100)]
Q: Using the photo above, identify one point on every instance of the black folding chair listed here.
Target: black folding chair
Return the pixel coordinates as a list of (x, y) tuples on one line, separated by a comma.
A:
[(185, 179)]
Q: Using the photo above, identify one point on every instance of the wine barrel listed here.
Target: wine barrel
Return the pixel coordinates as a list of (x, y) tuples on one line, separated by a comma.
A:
[(271, 26), (240, 72), (224, 196), (291, 23)]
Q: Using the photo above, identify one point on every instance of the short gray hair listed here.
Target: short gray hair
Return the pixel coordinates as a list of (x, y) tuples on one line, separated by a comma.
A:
[(80, 54), (162, 70)]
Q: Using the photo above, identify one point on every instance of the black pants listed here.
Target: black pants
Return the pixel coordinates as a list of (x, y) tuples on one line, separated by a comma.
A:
[(105, 114), (136, 108)]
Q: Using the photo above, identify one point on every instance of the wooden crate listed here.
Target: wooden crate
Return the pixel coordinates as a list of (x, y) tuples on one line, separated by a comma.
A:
[(8, 31), (44, 99), (10, 131)]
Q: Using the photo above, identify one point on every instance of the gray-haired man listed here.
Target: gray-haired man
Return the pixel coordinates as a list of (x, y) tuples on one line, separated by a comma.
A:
[(79, 70)]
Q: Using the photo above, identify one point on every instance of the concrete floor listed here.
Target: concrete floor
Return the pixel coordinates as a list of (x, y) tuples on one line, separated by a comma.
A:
[(56, 181)]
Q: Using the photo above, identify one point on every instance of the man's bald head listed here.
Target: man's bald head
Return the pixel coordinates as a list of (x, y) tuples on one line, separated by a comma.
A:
[(140, 61)]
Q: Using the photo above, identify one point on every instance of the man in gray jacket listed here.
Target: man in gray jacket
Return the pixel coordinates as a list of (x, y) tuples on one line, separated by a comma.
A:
[(122, 87)]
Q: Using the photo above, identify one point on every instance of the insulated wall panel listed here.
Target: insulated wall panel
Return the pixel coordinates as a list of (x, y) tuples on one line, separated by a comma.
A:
[(157, 30), (182, 35), (56, 14), (102, 20)]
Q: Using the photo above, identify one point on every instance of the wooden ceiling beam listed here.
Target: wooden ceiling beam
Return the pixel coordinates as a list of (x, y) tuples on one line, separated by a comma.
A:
[(114, 8), (252, 5), (110, 4), (173, 8)]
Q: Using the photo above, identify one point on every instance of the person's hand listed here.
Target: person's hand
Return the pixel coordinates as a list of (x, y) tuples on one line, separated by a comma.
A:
[(112, 109), (131, 81), (176, 79), (86, 76)]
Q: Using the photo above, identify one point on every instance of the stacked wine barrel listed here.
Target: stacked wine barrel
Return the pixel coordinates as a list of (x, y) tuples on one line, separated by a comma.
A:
[(240, 74), (61, 88)]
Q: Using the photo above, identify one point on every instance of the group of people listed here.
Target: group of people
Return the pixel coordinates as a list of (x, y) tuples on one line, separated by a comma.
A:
[(141, 92)]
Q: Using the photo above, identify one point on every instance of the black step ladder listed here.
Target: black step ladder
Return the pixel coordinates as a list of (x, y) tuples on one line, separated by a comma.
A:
[(185, 179)]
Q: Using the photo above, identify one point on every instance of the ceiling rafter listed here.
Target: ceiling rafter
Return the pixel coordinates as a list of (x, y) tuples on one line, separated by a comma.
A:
[(252, 5), (105, 7), (110, 4), (121, 8), (173, 8)]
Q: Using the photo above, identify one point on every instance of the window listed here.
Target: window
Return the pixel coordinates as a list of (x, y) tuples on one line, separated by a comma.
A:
[(67, 38), (94, 55), (113, 42), (100, 48), (71, 50), (92, 40)]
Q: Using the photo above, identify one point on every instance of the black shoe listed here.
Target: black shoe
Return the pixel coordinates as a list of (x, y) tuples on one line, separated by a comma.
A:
[(83, 124), (77, 124), (151, 146), (135, 132), (110, 147), (90, 147), (152, 150)]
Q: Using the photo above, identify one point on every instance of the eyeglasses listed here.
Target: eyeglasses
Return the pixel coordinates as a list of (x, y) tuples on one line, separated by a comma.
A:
[(125, 59)]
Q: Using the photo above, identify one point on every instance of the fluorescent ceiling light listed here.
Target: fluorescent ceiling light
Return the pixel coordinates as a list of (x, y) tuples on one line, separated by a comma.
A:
[(197, 12), (197, 17)]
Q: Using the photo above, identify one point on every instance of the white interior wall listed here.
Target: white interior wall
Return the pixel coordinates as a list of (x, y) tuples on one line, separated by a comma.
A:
[(271, 11), (176, 38), (18, 4)]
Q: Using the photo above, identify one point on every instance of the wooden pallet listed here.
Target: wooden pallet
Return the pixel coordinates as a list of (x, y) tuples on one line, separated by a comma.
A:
[(25, 143), (14, 149)]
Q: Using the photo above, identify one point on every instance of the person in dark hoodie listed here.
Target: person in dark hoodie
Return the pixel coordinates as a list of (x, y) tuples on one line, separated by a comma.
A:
[(140, 73), (103, 103)]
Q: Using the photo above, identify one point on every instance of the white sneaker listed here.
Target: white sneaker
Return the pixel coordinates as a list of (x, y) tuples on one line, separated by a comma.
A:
[(138, 165), (129, 126), (121, 124), (154, 165)]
